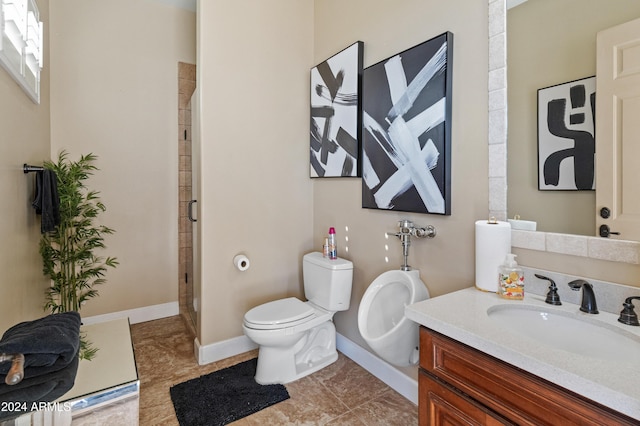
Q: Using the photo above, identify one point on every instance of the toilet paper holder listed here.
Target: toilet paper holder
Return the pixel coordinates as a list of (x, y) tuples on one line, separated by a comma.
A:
[(241, 262)]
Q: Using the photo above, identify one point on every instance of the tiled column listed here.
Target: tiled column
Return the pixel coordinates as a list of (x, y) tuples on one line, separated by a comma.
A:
[(186, 87), (498, 109)]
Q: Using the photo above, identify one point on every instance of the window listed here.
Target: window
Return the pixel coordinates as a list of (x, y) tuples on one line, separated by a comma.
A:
[(21, 44)]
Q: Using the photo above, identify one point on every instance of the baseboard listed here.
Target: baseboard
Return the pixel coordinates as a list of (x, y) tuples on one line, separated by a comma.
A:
[(147, 313), (395, 379), (221, 350)]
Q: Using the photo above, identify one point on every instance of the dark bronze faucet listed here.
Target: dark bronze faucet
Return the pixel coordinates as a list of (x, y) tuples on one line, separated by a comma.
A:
[(628, 315), (552, 296), (588, 304)]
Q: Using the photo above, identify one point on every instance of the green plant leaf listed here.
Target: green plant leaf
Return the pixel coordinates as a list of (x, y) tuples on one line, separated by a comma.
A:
[(68, 253)]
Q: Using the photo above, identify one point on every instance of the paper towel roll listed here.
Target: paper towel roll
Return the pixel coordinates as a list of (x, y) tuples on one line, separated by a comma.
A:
[(493, 243), (242, 262)]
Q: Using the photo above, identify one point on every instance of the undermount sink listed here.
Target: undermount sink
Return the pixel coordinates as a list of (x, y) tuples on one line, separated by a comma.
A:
[(574, 333)]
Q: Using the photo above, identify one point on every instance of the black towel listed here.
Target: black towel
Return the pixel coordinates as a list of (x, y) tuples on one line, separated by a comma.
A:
[(29, 393), (47, 200), (48, 344)]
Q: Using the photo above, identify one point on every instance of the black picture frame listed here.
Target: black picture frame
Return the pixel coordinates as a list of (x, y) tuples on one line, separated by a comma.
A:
[(336, 114), (406, 139), (566, 136)]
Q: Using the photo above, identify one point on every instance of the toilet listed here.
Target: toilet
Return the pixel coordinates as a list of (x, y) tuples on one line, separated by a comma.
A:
[(381, 319), (298, 338)]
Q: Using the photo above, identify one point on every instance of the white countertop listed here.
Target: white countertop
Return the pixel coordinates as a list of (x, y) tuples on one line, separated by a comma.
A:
[(462, 316)]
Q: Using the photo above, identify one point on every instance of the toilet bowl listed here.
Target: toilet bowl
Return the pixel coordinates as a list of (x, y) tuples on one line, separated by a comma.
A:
[(381, 319), (298, 338)]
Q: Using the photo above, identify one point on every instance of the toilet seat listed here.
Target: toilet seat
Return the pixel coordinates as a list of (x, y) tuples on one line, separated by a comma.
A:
[(282, 313)]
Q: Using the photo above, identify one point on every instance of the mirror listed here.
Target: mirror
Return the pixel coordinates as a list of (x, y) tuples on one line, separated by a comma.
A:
[(549, 43), (562, 243)]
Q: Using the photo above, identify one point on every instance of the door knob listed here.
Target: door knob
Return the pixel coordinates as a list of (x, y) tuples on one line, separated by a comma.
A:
[(605, 231), (605, 213)]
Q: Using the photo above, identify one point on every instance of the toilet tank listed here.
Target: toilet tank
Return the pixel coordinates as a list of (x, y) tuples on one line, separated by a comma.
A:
[(327, 283)]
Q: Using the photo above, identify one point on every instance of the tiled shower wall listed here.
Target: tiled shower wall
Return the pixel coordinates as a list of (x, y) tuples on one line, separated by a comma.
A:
[(186, 87)]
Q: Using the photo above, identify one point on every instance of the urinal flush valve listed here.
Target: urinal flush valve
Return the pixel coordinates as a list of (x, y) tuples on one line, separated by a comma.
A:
[(407, 230)]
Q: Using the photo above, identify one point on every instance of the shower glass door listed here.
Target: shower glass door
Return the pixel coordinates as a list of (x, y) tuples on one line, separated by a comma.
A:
[(193, 287)]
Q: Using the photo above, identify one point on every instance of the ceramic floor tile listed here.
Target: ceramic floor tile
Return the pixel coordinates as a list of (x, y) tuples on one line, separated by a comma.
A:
[(352, 384), (340, 394), (389, 409), (309, 403), (160, 327), (348, 419)]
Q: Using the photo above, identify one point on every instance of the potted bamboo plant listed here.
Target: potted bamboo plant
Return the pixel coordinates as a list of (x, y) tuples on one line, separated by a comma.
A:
[(68, 252)]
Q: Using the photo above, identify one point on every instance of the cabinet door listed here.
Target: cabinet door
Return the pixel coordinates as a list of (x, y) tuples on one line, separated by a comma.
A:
[(507, 391), (441, 405)]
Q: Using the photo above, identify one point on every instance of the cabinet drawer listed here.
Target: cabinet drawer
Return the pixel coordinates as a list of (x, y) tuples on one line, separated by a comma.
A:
[(441, 404), (515, 394)]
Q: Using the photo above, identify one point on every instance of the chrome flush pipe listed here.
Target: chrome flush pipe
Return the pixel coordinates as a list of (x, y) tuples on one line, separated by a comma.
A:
[(407, 230)]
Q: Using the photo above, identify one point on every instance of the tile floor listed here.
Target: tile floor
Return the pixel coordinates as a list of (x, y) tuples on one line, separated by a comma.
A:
[(341, 394)]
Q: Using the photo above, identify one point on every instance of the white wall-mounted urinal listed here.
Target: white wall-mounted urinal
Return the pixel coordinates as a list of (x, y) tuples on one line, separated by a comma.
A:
[(381, 318)]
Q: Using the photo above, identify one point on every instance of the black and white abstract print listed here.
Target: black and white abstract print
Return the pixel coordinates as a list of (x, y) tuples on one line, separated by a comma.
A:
[(566, 136), (406, 130), (335, 114)]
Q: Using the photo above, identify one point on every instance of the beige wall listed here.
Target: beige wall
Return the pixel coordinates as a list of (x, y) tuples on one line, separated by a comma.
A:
[(25, 139), (446, 263), (256, 197), (114, 68), (549, 44)]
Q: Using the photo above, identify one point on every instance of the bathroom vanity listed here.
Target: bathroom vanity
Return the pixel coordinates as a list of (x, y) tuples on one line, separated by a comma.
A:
[(477, 368)]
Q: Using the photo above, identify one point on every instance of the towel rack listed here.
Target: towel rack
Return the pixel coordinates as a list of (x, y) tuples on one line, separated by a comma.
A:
[(27, 168)]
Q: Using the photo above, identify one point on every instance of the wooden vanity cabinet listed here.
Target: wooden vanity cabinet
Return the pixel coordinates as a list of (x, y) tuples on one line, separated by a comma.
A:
[(459, 385)]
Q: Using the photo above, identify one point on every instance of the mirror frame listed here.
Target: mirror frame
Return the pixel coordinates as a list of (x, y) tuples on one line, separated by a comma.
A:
[(576, 245)]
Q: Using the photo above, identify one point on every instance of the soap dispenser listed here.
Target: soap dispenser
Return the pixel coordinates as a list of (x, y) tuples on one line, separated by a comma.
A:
[(511, 279)]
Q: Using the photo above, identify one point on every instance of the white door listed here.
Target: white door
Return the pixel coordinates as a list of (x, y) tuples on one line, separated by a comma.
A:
[(618, 131)]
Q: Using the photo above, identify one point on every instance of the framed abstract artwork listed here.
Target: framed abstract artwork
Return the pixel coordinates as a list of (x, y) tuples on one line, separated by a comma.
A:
[(406, 140), (336, 114), (566, 136)]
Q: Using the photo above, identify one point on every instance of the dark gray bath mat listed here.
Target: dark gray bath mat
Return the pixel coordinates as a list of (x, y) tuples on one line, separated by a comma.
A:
[(224, 396)]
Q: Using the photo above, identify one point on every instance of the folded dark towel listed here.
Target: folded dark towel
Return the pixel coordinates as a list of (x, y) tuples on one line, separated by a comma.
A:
[(48, 344), (47, 200), (29, 393)]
